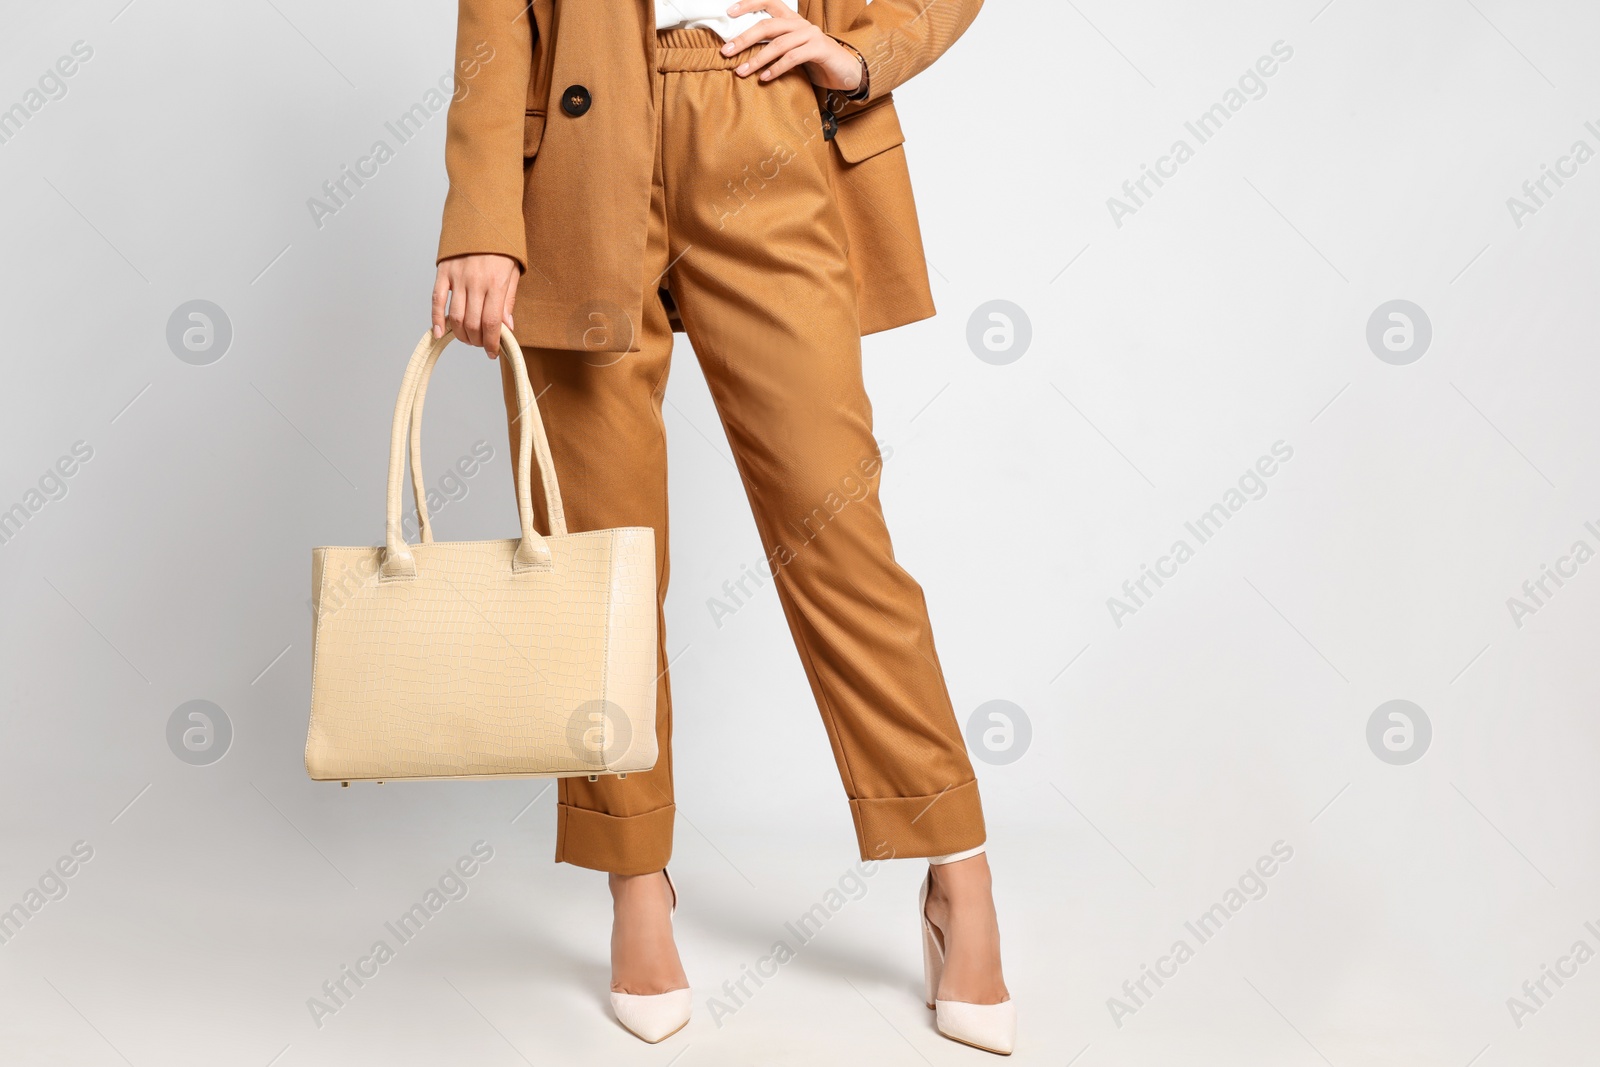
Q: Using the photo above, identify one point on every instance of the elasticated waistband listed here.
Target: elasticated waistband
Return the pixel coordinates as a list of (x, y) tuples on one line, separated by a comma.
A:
[(695, 48)]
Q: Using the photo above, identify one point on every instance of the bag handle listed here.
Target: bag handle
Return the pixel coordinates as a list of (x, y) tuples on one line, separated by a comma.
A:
[(418, 485), (418, 495), (533, 552)]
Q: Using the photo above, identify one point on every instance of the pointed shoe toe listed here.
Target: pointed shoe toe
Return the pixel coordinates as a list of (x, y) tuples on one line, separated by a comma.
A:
[(991, 1027), (653, 1018)]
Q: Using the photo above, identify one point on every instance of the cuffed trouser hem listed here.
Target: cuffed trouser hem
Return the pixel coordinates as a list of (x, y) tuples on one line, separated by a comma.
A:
[(933, 825), (633, 844)]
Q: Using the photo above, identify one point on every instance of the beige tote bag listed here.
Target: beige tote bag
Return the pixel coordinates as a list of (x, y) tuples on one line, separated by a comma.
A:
[(529, 657)]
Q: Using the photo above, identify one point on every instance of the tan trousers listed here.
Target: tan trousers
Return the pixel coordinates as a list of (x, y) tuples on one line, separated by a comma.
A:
[(745, 235)]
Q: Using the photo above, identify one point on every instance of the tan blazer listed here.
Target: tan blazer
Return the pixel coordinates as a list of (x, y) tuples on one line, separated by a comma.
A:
[(567, 194)]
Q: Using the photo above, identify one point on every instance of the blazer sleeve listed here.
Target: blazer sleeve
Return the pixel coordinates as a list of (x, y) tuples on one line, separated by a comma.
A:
[(900, 38), (483, 137)]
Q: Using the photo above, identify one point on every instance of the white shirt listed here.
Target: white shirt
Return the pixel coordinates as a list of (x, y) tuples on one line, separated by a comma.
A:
[(708, 14)]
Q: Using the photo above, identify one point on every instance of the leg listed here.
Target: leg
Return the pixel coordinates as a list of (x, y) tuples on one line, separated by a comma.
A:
[(602, 413), (763, 286), (765, 292), (644, 957), (961, 908)]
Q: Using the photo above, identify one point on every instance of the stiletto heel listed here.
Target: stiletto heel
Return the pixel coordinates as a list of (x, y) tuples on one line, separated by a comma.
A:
[(991, 1027), (932, 958), (654, 1017)]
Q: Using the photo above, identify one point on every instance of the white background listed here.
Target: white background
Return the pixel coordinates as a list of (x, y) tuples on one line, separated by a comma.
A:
[(1168, 753)]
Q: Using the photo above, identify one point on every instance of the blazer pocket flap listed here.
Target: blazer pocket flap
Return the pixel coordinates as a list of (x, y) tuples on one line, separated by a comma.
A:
[(532, 133), (868, 132)]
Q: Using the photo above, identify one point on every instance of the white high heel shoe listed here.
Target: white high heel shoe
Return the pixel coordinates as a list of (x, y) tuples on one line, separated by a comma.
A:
[(991, 1027), (654, 1017)]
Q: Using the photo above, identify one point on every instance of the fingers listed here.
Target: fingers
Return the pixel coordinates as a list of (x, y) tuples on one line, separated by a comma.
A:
[(782, 21), (455, 317), (441, 293), (804, 51), (759, 32), (798, 46), (473, 295), (494, 302), (472, 317), (511, 296)]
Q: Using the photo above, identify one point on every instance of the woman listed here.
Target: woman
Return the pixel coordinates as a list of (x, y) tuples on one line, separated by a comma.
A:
[(618, 173)]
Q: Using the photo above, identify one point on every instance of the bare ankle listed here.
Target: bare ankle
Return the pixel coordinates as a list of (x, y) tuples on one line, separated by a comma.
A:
[(962, 880), (625, 885)]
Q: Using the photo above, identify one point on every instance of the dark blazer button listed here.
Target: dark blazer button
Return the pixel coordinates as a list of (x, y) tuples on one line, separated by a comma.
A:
[(575, 100), (830, 125)]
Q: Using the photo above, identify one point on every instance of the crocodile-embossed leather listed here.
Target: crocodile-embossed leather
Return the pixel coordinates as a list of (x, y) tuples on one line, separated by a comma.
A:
[(532, 656)]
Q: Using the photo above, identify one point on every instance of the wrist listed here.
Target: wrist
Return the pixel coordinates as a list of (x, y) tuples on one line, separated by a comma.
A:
[(863, 87)]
